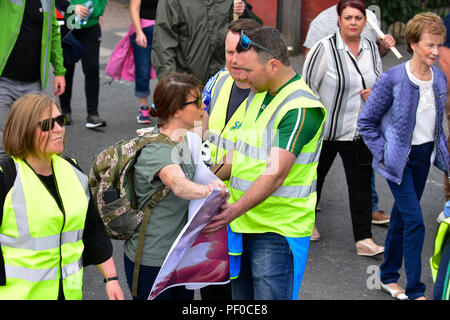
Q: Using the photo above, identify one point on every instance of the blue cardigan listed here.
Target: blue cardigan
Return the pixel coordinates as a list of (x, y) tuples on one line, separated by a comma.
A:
[(388, 118)]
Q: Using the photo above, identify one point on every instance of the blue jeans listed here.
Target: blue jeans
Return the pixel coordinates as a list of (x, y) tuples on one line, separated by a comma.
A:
[(267, 269), (406, 231), (142, 61), (147, 276)]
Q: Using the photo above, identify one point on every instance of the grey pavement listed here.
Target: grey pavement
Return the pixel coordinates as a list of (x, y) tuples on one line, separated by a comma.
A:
[(333, 270)]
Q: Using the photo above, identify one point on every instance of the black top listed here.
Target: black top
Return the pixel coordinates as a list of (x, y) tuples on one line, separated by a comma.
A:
[(148, 9), (237, 96), (97, 245), (24, 61)]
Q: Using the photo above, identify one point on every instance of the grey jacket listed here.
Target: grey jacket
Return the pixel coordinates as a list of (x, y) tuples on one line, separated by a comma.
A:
[(189, 36)]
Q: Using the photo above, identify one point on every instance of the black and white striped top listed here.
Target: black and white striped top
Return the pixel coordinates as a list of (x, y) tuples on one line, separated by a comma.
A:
[(337, 77)]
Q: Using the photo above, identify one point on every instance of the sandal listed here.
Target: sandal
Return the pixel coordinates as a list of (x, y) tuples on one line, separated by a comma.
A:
[(394, 290)]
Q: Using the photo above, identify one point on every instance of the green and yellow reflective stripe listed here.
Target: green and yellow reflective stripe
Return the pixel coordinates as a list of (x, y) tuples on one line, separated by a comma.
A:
[(282, 191), (39, 244), (224, 143), (37, 275), (261, 154), (217, 88)]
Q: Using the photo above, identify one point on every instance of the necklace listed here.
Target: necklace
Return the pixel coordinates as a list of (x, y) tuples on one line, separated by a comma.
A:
[(421, 75)]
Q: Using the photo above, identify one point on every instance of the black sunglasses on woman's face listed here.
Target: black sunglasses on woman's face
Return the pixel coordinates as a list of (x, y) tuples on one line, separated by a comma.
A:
[(49, 124)]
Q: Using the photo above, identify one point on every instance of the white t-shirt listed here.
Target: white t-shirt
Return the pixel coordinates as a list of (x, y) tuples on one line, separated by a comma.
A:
[(425, 128), (326, 23)]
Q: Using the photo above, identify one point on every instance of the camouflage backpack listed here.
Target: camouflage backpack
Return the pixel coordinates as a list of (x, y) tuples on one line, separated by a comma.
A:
[(112, 186)]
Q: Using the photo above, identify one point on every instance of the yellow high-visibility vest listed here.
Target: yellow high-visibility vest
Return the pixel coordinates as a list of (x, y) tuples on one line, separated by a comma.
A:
[(290, 210), (40, 243), (222, 136), (435, 260)]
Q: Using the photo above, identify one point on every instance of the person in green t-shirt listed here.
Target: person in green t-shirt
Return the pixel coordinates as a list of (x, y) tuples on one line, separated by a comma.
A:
[(272, 190), (177, 99)]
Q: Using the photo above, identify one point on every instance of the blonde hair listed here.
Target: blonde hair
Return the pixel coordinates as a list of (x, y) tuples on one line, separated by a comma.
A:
[(423, 22), (21, 124)]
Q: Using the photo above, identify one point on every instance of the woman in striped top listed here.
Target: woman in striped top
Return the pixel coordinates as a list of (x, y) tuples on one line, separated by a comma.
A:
[(341, 69)]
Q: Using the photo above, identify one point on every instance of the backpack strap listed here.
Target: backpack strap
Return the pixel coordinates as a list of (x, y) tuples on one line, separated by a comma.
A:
[(157, 197)]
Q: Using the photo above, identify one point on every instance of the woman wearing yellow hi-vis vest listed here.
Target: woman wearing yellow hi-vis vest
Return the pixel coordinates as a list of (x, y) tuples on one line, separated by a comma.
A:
[(440, 261), (50, 227), (273, 173)]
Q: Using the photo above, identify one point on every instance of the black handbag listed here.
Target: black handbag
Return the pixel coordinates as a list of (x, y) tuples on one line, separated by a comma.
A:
[(72, 48)]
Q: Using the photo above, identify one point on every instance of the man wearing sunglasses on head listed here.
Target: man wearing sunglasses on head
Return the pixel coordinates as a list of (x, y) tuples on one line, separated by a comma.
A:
[(225, 97), (273, 172)]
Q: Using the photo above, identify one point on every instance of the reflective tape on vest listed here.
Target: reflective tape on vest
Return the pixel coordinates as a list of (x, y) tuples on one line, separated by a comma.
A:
[(282, 191)]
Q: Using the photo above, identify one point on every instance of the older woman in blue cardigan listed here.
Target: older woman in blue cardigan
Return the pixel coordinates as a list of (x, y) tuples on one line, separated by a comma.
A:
[(401, 124)]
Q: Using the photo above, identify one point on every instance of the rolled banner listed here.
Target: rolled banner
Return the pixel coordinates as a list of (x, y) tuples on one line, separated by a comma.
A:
[(381, 35)]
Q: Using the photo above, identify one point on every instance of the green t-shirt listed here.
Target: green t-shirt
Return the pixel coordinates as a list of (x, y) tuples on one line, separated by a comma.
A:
[(297, 127), (169, 217)]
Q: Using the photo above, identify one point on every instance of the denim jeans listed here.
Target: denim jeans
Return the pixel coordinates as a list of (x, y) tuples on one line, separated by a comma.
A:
[(406, 231), (147, 276), (267, 270), (142, 61)]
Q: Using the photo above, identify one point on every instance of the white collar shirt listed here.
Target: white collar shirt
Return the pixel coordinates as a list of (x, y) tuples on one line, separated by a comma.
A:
[(336, 76)]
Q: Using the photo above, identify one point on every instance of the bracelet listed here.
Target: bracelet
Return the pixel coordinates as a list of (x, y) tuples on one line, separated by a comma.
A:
[(110, 279)]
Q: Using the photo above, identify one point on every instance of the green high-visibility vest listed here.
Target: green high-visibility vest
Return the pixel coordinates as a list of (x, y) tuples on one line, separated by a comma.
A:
[(222, 136), (289, 211), (40, 243), (11, 17), (444, 228)]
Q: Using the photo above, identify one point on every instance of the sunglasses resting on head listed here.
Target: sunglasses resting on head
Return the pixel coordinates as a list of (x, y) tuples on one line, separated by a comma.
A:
[(245, 42)]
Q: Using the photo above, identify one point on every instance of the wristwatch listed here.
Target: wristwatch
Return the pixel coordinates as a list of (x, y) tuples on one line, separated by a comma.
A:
[(110, 279)]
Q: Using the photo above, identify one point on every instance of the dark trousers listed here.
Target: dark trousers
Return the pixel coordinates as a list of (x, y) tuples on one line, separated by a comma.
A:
[(147, 276), (358, 172), (90, 39)]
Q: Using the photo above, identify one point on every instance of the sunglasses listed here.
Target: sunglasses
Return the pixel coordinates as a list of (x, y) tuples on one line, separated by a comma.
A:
[(49, 124), (198, 102), (245, 42)]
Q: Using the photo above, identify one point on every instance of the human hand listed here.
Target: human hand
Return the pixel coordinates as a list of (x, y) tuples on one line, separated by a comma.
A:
[(387, 41), (239, 7), (141, 39), (365, 94), (59, 85), (101, 21), (216, 184), (228, 214), (113, 290), (81, 11)]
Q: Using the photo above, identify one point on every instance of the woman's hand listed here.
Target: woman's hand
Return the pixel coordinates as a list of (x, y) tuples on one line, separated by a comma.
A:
[(114, 291), (365, 94), (81, 11), (216, 184), (141, 39)]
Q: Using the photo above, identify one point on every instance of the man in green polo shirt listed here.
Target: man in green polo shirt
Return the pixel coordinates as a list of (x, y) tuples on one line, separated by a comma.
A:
[(273, 172)]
